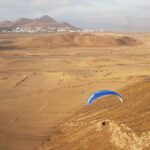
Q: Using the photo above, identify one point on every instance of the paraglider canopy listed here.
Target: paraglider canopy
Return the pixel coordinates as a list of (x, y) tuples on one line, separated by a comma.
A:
[(102, 93)]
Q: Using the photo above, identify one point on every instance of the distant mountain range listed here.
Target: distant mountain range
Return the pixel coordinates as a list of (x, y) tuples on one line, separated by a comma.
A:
[(48, 24), (42, 24), (129, 23)]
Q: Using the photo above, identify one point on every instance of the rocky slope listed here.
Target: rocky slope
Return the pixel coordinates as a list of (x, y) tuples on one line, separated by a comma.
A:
[(76, 40), (108, 124)]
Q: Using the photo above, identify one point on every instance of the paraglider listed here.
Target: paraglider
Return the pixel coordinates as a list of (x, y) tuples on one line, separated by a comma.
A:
[(102, 93)]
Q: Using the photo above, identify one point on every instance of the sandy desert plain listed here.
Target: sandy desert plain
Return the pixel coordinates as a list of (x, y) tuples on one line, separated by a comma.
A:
[(45, 80)]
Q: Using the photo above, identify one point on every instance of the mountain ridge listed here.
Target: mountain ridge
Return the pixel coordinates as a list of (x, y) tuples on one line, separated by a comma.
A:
[(41, 24)]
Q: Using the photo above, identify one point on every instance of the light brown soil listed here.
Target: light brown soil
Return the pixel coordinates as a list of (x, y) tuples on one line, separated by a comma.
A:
[(42, 88), (107, 125), (75, 40)]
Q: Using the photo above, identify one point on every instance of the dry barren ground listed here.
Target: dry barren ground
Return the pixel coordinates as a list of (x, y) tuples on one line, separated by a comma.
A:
[(107, 125), (41, 86)]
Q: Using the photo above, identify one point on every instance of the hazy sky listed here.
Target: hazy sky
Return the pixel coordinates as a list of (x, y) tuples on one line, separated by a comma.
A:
[(77, 12)]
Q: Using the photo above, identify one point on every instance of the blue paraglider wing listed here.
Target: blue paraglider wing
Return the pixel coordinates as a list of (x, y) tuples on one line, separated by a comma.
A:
[(102, 93)]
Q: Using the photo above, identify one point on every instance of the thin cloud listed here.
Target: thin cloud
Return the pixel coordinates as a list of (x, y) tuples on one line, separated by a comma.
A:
[(78, 12)]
